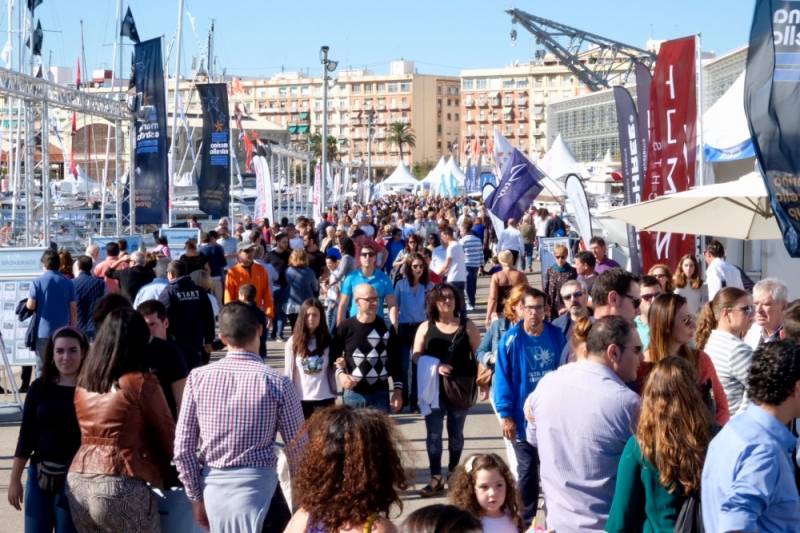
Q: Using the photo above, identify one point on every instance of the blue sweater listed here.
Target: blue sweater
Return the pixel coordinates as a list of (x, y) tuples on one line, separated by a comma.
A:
[(522, 360)]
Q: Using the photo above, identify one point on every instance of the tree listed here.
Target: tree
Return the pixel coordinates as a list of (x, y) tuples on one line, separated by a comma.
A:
[(401, 134), (420, 169), (315, 145)]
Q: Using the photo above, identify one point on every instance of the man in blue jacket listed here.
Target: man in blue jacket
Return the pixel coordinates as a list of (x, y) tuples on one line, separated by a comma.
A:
[(527, 352)]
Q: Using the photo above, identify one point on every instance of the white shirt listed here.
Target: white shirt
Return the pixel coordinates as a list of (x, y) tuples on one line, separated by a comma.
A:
[(458, 266), (438, 257), (296, 243), (510, 239), (504, 524), (541, 226), (721, 274)]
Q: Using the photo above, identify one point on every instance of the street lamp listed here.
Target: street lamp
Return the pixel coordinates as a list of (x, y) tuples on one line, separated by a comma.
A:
[(328, 65)]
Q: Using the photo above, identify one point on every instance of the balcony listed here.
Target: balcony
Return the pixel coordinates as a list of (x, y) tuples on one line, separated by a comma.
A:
[(495, 100), (496, 117), (482, 101), (469, 101), (405, 106), (483, 118), (522, 102), (507, 101)]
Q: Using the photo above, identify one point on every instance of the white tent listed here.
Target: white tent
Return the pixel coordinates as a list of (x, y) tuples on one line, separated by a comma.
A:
[(400, 180), (559, 161), (456, 172), (726, 135), (435, 175)]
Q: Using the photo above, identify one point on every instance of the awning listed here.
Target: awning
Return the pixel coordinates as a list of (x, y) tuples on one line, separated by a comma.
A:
[(302, 128), (303, 115), (293, 129)]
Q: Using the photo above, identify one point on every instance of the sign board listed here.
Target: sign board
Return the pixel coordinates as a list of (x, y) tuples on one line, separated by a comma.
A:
[(11, 292), (134, 243), (177, 237), (20, 262), (547, 253)]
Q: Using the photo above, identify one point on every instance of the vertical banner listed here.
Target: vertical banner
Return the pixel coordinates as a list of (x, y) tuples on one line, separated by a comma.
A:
[(150, 158), (315, 198), (264, 205), (631, 160), (644, 80), (672, 149), (576, 194), (772, 104), (213, 185)]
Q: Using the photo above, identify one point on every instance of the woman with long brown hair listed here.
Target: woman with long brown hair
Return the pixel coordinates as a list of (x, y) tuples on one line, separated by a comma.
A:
[(688, 283), (306, 361), (352, 473), (501, 284), (662, 273), (672, 329), (722, 325), (662, 463)]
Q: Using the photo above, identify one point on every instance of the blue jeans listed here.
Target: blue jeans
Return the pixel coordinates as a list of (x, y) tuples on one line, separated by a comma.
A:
[(527, 478), (376, 400), (472, 284), (45, 511), (527, 256), (460, 286), (455, 437), (330, 318), (279, 299), (175, 511)]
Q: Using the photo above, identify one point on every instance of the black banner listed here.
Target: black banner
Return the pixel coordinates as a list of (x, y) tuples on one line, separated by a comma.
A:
[(213, 185), (631, 158), (644, 79), (150, 176), (772, 104)]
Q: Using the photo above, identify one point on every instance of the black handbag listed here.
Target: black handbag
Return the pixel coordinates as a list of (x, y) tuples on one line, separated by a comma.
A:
[(690, 517), (51, 476), (461, 391)]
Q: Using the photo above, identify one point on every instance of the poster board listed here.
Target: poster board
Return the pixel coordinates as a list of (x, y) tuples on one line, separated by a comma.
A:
[(134, 243), (177, 237), (18, 268)]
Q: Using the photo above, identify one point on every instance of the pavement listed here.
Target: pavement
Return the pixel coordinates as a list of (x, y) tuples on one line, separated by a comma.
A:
[(481, 434)]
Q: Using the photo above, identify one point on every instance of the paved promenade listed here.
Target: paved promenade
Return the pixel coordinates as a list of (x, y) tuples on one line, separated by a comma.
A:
[(481, 433)]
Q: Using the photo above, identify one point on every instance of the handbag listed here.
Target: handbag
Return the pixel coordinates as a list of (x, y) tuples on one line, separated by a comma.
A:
[(51, 476), (690, 516), (461, 391), (485, 375)]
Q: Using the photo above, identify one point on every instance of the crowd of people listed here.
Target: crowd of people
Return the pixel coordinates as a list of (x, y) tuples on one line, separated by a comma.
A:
[(657, 402)]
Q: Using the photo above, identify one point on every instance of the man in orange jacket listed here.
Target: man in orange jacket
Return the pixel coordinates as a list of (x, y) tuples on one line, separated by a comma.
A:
[(248, 271)]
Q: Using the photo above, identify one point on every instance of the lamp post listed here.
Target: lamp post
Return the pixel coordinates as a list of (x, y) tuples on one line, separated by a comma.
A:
[(328, 65), (370, 131)]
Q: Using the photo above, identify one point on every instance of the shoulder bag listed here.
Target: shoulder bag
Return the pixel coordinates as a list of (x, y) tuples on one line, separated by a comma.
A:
[(461, 391)]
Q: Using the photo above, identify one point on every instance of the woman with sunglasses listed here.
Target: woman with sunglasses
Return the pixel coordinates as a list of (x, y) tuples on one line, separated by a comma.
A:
[(413, 245), (672, 330), (410, 293), (555, 277), (451, 338), (722, 325), (49, 436), (663, 274)]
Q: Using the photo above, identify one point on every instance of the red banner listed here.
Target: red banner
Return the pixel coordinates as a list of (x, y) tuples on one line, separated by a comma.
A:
[(672, 150)]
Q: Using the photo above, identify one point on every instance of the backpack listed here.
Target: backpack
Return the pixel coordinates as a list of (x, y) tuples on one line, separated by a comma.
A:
[(690, 516)]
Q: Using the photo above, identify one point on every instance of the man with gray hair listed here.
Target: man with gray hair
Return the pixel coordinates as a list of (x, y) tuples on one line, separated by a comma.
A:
[(770, 297), (153, 290), (576, 301), (133, 278)]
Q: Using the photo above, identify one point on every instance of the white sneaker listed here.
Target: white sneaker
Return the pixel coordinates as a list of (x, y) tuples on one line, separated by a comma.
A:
[(470, 308)]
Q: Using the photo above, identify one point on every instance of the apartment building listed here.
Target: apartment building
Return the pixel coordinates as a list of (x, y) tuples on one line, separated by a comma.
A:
[(514, 100)]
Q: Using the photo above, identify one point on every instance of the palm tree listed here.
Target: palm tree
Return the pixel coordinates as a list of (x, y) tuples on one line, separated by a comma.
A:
[(400, 134), (315, 145)]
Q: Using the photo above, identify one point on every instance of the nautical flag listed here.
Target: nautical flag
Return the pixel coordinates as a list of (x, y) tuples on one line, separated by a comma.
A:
[(78, 75), (73, 167), (501, 153), (518, 188), (38, 37), (6, 53), (33, 4), (128, 28)]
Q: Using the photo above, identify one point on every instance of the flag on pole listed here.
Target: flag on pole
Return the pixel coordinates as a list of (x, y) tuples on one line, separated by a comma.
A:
[(33, 4), (73, 167), (518, 188), (501, 153), (38, 37), (128, 28), (78, 75)]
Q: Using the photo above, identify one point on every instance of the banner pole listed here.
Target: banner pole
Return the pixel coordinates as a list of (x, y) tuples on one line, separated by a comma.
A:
[(701, 157)]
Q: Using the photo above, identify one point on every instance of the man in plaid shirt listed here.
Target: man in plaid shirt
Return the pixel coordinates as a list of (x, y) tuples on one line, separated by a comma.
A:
[(225, 437)]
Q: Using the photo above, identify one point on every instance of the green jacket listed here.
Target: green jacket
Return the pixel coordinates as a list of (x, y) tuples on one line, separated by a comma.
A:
[(641, 503)]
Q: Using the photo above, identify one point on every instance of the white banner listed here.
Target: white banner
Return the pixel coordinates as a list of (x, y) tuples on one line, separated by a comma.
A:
[(264, 203), (315, 199), (578, 204), (547, 254)]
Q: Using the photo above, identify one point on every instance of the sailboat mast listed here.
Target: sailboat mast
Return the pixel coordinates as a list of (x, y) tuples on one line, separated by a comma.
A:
[(210, 60), (175, 108)]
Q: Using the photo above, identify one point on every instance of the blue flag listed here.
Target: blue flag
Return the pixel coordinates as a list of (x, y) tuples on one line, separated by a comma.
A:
[(518, 188)]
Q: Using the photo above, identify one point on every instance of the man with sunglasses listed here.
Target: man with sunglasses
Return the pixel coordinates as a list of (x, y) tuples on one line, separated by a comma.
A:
[(649, 288), (368, 274), (527, 351), (576, 301), (616, 293)]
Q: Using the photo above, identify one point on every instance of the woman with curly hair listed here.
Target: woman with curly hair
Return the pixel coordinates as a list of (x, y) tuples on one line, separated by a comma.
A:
[(672, 329), (722, 324), (689, 284), (484, 486), (663, 274), (352, 473), (662, 463)]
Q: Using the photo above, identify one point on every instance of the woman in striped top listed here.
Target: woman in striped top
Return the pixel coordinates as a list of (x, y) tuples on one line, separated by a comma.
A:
[(722, 324)]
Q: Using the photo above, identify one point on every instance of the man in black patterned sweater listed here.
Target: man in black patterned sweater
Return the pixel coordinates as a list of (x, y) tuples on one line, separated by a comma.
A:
[(366, 356)]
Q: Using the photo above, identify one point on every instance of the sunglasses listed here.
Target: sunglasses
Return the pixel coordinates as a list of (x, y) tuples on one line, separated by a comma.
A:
[(417, 266), (650, 297), (447, 298), (561, 257), (637, 348), (746, 309), (369, 299), (569, 297), (367, 254), (635, 301), (534, 308), (661, 276)]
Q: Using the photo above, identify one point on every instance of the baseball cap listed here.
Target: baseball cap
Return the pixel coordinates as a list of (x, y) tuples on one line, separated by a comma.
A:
[(333, 253), (244, 246)]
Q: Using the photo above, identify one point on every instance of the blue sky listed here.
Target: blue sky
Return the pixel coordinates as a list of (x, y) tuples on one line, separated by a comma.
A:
[(259, 37)]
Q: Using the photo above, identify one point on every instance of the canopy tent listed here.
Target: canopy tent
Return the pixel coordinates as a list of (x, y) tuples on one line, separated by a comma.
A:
[(435, 175), (559, 161), (726, 135), (456, 172), (736, 209), (401, 180)]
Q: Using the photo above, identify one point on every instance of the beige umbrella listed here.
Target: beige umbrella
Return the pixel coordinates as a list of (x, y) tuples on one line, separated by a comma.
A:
[(737, 209)]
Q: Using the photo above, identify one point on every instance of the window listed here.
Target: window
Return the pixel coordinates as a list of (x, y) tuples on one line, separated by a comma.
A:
[(304, 90), (481, 83), (282, 91), (342, 103), (355, 88), (317, 117), (508, 83), (391, 87), (467, 84), (522, 83), (449, 102), (449, 116), (380, 87), (469, 115), (455, 117), (405, 86), (293, 90)]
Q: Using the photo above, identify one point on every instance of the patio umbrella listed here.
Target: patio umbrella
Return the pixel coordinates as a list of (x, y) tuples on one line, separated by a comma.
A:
[(737, 209)]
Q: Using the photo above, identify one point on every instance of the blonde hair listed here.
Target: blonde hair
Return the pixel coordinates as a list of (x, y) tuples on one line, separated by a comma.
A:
[(513, 298), (298, 258), (506, 258), (559, 248)]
